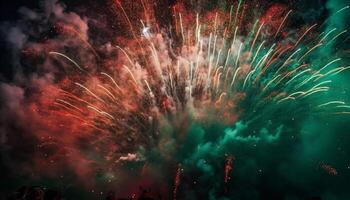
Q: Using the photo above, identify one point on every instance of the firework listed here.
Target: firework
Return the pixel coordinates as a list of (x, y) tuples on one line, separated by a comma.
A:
[(194, 88)]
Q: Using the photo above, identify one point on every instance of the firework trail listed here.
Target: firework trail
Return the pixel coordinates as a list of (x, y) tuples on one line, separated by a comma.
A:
[(182, 98)]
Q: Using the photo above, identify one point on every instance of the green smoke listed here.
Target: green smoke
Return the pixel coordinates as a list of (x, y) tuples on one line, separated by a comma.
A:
[(279, 151)]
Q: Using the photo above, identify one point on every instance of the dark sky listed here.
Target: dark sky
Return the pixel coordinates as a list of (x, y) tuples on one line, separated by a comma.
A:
[(307, 12), (9, 13)]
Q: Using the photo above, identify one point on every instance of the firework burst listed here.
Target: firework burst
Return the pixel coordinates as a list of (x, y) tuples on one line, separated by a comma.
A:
[(196, 86)]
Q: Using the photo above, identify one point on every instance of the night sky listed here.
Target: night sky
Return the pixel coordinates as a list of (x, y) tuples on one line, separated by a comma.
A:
[(159, 146)]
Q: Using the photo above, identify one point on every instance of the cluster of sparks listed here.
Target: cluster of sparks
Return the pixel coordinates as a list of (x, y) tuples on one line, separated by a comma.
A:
[(210, 72)]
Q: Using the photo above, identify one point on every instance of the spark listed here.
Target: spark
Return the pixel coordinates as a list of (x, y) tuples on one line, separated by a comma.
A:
[(280, 26), (90, 92), (68, 58), (304, 34), (331, 102), (113, 81)]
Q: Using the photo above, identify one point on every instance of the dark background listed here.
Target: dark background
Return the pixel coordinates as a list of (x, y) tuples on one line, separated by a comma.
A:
[(309, 11)]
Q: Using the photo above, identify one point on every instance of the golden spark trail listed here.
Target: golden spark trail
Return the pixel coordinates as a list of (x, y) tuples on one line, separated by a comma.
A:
[(89, 91), (68, 58), (304, 34), (280, 26), (113, 81)]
